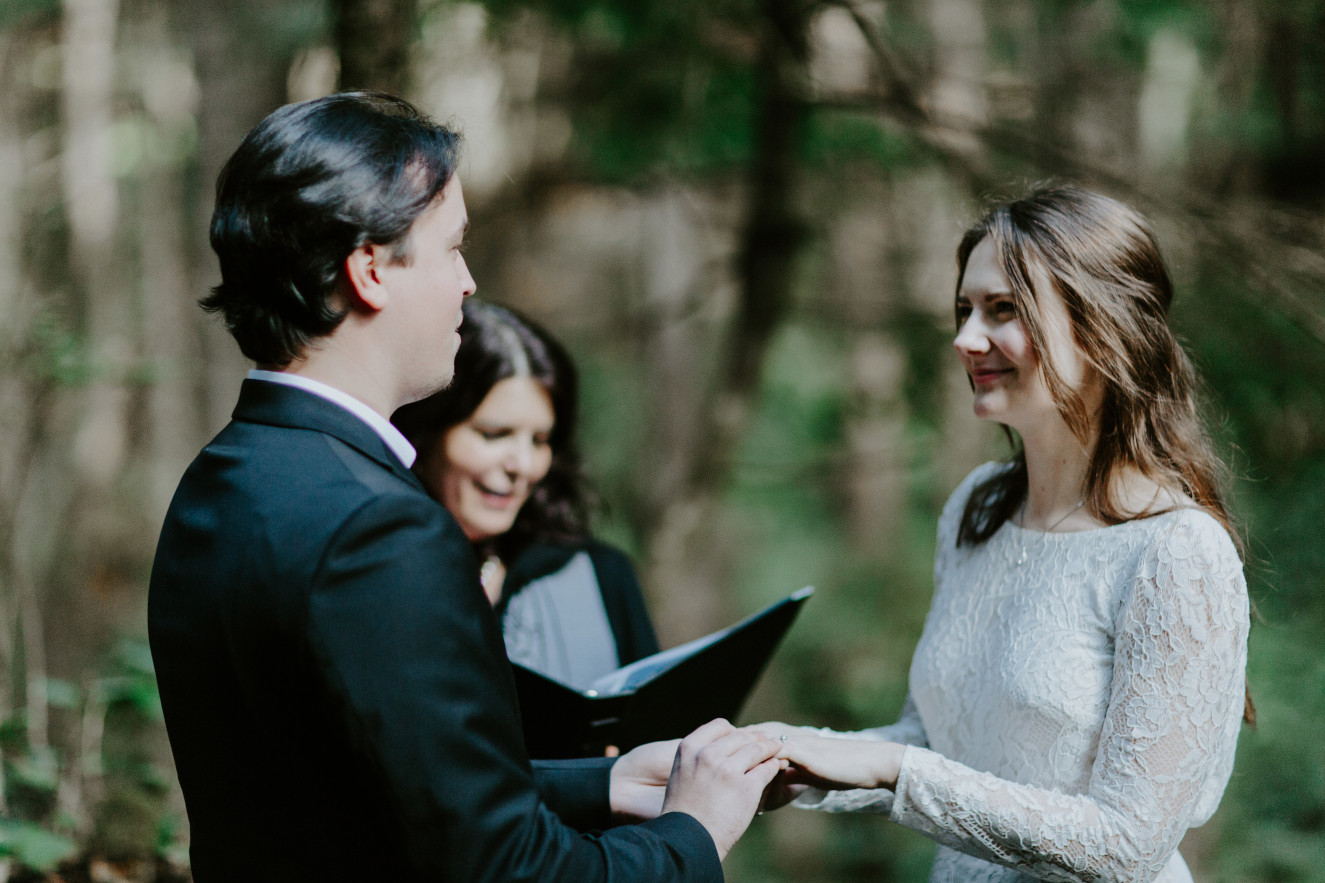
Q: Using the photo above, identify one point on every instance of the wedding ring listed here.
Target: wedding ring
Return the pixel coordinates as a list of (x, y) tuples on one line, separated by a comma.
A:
[(784, 738)]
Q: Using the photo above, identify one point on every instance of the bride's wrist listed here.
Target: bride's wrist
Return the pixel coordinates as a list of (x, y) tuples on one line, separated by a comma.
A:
[(890, 765)]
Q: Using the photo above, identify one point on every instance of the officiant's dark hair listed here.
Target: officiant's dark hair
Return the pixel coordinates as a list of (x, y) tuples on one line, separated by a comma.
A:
[(311, 183), (497, 343)]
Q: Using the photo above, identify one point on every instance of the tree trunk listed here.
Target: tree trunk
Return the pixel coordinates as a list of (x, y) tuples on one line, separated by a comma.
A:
[(13, 392), (169, 319), (957, 92), (686, 552), (91, 201), (373, 38), (242, 84), (65, 628)]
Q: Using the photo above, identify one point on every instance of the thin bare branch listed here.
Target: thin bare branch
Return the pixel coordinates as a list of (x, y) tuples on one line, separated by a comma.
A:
[(1287, 277)]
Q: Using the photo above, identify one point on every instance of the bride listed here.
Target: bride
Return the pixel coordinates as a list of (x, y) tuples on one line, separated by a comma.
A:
[(1077, 692)]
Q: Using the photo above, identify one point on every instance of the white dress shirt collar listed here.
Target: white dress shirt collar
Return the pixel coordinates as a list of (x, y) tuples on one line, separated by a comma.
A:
[(391, 436)]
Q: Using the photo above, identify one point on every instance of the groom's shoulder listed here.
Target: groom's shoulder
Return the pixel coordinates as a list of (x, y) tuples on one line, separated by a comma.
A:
[(284, 475), (308, 459)]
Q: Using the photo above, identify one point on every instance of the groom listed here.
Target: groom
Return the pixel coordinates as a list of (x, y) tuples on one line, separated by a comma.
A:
[(334, 682)]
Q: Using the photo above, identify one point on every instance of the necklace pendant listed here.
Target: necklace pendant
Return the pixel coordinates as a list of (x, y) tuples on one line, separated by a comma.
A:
[(490, 568)]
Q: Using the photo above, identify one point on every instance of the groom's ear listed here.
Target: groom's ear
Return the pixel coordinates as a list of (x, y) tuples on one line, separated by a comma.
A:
[(366, 282)]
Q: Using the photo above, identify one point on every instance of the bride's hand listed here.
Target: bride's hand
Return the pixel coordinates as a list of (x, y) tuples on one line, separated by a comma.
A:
[(785, 787), (836, 764), (778, 730)]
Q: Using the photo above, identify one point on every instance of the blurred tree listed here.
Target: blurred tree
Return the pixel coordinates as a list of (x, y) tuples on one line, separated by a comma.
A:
[(104, 396), (374, 39), (702, 86), (684, 524)]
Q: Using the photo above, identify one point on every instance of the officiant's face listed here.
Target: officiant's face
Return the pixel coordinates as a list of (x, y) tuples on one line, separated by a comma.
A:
[(490, 463)]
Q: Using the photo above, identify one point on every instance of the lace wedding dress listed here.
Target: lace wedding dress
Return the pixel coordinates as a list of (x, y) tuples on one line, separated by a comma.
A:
[(1071, 716)]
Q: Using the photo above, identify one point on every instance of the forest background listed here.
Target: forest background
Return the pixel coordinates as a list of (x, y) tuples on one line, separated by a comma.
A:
[(741, 215)]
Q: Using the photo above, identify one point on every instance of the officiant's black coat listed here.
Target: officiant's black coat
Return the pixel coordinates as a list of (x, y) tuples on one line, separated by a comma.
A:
[(334, 683)]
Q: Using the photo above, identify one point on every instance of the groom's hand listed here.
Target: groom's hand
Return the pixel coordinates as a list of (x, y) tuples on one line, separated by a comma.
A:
[(639, 781), (719, 776), (785, 787)]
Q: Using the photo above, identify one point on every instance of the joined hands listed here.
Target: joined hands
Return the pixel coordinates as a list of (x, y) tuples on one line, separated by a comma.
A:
[(723, 775), (718, 774)]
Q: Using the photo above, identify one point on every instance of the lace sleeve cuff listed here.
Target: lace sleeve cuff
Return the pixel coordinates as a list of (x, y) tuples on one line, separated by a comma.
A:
[(879, 801)]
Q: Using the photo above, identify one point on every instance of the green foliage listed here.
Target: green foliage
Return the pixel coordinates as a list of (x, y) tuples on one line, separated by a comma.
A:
[(841, 138), (32, 846), (925, 343), (284, 28), (1272, 820), (1262, 373), (36, 768), (611, 385), (132, 681), (131, 818), (1139, 20), (171, 840), (14, 13), (661, 87), (140, 142), (62, 694), (662, 132), (54, 353), (802, 400)]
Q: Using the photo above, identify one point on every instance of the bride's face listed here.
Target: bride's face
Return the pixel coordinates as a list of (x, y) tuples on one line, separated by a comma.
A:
[(996, 350)]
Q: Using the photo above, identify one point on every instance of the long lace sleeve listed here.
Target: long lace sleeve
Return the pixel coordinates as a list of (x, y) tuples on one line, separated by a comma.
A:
[(1165, 750)]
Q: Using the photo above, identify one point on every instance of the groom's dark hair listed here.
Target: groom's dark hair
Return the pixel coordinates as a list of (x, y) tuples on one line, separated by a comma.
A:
[(310, 184)]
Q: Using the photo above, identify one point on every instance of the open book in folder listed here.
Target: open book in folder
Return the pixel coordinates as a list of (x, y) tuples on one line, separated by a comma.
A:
[(663, 696)]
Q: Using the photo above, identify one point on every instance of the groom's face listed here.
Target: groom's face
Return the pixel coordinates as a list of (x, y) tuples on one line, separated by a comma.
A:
[(426, 290)]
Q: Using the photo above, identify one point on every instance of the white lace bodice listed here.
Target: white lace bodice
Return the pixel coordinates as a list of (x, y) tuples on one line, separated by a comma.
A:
[(1071, 717)]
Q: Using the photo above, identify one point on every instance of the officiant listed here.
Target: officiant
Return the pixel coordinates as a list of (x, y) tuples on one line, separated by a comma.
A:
[(498, 449)]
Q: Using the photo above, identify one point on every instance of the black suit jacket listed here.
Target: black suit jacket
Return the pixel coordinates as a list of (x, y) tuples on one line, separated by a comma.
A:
[(335, 688)]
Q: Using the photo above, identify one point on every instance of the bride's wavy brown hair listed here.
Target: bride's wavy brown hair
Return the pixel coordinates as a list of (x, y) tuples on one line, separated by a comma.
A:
[(1104, 262)]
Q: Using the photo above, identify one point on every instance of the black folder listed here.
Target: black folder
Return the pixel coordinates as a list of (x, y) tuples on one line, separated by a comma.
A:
[(663, 696)]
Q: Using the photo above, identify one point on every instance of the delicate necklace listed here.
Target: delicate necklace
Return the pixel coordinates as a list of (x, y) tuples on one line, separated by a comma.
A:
[(1024, 556)]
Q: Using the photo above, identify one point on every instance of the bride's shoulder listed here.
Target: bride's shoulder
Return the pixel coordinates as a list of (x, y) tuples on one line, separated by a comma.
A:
[(1139, 496), (1179, 527), (978, 476), (956, 502)]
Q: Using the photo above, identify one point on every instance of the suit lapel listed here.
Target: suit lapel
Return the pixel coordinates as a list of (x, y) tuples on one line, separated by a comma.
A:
[(275, 404)]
